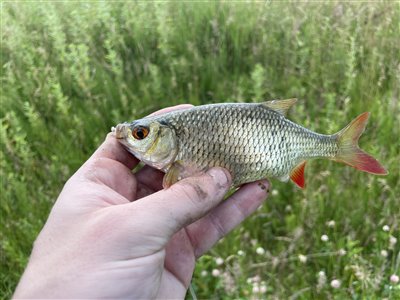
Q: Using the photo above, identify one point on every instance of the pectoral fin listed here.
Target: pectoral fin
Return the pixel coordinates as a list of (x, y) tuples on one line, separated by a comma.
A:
[(173, 175), (179, 170), (297, 174)]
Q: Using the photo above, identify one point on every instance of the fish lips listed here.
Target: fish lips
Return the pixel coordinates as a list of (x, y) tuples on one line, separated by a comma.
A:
[(122, 130)]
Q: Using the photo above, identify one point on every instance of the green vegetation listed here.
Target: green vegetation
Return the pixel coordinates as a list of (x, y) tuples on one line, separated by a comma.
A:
[(70, 71)]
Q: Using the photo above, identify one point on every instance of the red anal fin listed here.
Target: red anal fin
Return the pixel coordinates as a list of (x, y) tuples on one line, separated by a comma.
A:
[(297, 175)]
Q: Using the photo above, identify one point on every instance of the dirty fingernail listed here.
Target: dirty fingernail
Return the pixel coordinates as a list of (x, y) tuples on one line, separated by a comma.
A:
[(264, 185)]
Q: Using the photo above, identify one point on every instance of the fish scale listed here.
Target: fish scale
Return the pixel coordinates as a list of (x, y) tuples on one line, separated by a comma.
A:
[(252, 140)]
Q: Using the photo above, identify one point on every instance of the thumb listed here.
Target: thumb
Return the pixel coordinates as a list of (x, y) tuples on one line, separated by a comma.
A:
[(187, 200)]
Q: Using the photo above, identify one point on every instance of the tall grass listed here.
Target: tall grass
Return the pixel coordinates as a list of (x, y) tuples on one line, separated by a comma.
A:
[(72, 70)]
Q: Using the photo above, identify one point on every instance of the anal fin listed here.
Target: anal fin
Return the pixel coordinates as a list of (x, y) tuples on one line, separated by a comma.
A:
[(297, 174)]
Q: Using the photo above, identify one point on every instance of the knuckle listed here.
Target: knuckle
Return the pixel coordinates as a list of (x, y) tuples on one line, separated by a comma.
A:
[(219, 227), (90, 169)]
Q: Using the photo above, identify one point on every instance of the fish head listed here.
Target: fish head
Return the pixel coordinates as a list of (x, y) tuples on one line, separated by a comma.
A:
[(149, 140)]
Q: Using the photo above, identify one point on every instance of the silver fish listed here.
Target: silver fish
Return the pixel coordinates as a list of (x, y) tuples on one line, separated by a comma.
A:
[(251, 140)]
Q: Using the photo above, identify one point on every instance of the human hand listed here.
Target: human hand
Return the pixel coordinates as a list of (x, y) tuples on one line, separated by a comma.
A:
[(115, 234)]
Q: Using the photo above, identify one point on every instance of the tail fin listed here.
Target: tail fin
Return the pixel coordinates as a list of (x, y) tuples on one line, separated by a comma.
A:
[(349, 152)]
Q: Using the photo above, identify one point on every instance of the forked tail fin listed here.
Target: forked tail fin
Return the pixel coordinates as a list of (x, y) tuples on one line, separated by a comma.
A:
[(349, 152)]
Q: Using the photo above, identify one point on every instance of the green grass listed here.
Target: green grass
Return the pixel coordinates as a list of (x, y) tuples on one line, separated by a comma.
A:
[(70, 71)]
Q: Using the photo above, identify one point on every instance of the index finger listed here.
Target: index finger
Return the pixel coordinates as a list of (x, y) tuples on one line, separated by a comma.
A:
[(112, 149), (207, 231)]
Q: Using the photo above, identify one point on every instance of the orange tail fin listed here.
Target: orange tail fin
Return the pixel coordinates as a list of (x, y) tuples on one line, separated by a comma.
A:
[(349, 152)]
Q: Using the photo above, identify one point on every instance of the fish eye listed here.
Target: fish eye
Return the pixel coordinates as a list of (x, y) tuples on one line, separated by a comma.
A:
[(140, 132)]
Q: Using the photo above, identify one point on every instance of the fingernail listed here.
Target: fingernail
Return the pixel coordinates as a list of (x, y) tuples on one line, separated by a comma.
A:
[(220, 176), (264, 185)]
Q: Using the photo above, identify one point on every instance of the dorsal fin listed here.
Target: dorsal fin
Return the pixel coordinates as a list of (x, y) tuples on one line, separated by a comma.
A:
[(280, 106)]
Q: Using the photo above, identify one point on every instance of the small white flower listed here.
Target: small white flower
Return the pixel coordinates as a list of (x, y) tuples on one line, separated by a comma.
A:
[(302, 258), (360, 275), (256, 288), (249, 280), (385, 228), (288, 208), (260, 251), (335, 283), (392, 240), (274, 192), (216, 272), (384, 253), (342, 252), (321, 280), (331, 223), (324, 238), (219, 261), (240, 253), (263, 289), (394, 278), (204, 273)]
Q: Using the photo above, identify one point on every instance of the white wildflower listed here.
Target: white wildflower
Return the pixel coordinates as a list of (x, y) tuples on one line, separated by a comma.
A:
[(302, 258), (228, 282), (384, 253), (321, 279), (263, 288), (204, 273), (240, 253), (335, 283), (394, 278), (342, 252), (385, 228), (324, 238), (256, 288), (219, 261), (360, 275), (331, 223), (216, 272), (260, 251), (392, 240), (274, 192)]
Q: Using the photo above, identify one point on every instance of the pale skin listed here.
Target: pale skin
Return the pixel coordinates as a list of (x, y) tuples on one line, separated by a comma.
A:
[(116, 234)]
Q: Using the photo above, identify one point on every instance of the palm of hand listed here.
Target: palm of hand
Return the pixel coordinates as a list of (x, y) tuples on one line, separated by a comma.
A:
[(150, 263), (163, 264), (116, 234)]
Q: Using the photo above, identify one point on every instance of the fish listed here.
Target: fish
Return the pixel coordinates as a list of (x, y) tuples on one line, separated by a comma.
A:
[(251, 140)]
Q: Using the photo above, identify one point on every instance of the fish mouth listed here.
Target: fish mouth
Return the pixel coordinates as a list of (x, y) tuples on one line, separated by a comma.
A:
[(121, 130)]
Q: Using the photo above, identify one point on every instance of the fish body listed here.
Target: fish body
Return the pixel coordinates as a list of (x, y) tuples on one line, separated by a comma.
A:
[(251, 140)]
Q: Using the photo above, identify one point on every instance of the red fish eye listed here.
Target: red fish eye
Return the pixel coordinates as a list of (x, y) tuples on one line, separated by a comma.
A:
[(140, 132)]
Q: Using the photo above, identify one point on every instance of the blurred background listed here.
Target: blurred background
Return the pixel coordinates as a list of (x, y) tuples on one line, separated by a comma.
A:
[(72, 70)]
